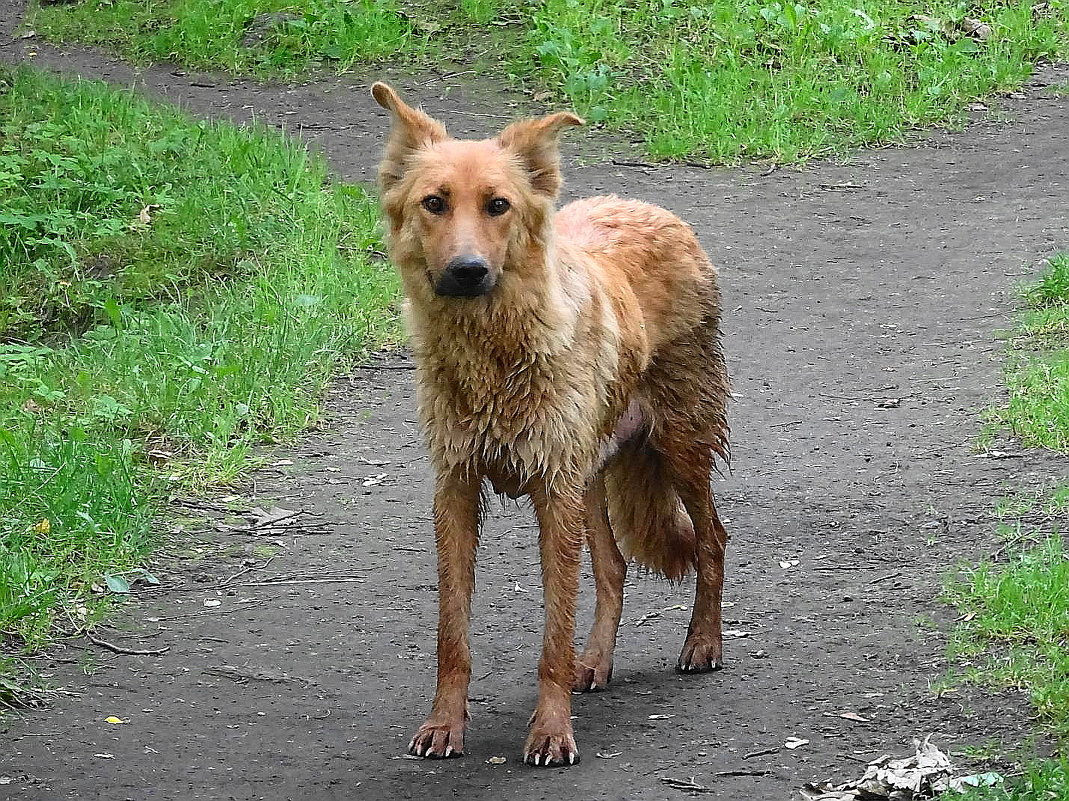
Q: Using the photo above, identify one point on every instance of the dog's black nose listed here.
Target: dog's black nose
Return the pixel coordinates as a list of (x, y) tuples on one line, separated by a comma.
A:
[(468, 270), (465, 276)]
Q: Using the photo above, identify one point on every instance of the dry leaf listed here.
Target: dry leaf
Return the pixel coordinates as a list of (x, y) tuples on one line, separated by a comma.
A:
[(795, 742), (854, 716), (496, 761), (113, 719)]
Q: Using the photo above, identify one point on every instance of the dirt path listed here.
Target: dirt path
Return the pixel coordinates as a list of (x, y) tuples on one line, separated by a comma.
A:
[(861, 299)]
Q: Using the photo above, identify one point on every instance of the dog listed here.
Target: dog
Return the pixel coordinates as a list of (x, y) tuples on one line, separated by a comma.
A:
[(572, 356)]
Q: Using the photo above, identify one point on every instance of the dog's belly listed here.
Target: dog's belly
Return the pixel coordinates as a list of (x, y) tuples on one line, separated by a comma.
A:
[(631, 423)]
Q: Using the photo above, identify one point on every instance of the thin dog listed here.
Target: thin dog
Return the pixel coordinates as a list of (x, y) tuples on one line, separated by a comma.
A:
[(572, 356)]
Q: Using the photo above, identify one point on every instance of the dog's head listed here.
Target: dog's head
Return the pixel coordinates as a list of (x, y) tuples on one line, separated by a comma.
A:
[(461, 213)]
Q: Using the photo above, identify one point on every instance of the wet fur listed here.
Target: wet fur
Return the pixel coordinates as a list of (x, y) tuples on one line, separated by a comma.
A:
[(590, 378)]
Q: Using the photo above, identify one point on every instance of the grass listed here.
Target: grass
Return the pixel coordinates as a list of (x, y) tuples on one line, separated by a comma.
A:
[(289, 38), (723, 80), (1038, 374), (1015, 629), (174, 293)]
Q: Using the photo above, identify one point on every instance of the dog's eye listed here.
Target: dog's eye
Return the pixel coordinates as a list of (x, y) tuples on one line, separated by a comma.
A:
[(497, 206), (433, 204)]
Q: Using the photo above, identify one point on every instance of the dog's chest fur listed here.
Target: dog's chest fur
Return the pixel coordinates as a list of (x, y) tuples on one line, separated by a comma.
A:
[(522, 398)]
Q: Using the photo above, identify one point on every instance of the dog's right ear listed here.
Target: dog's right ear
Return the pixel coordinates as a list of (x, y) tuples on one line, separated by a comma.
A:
[(412, 130)]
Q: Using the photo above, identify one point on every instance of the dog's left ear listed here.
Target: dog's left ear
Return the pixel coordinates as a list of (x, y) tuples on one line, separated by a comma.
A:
[(412, 130), (537, 143)]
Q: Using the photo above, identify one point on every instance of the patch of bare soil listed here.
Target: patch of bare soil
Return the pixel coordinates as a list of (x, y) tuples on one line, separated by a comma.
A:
[(861, 299)]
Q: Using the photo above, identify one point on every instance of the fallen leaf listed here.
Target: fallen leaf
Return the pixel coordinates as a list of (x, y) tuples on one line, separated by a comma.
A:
[(211, 603), (105, 756), (854, 716), (113, 719), (795, 742), (735, 633), (660, 717), (608, 755), (496, 761), (144, 217), (43, 527)]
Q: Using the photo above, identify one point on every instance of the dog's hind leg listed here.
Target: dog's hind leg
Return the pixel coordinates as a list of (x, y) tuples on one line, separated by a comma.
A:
[(562, 523), (594, 668), (457, 508), (691, 467)]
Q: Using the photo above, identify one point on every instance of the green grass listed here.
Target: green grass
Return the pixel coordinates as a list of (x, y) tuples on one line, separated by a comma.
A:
[(298, 36), (1015, 629), (1038, 374), (1044, 781), (723, 80), (1015, 625), (214, 328)]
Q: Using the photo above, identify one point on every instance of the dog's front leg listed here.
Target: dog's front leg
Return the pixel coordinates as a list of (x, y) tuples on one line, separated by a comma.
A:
[(562, 526), (456, 533)]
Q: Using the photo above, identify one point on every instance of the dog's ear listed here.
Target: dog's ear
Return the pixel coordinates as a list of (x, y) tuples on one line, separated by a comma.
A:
[(537, 143), (412, 130)]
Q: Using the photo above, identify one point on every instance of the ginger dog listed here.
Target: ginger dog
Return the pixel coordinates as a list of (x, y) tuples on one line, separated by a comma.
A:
[(571, 356)]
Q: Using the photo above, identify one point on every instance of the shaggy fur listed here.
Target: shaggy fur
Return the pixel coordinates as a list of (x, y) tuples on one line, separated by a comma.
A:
[(583, 370)]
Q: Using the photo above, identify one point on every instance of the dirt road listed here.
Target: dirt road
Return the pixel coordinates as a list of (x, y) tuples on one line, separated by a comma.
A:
[(861, 300)]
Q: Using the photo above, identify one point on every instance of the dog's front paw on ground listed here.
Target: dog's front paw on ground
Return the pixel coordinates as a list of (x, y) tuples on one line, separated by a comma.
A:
[(592, 673), (438, 741), (700, 655), (550, 749)]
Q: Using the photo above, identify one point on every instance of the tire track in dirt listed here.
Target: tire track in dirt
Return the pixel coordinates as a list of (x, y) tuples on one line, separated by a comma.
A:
[(860, 303)]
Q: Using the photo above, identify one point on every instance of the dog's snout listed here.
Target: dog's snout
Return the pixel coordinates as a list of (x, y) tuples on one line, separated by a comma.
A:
[(465, 276)]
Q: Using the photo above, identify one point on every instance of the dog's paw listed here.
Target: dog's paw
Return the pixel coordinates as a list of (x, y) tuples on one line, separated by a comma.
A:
[(438, 741), (700, 655), (592, 674), (550, 749)]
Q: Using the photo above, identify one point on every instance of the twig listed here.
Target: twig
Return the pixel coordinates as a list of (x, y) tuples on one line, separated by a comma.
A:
[(763, 772), (299, 581), (762, 752), (885, 578), (685, 784), (118, 649), (245, 570), (272, 522), (644, 164), (788, 423), (385, 366)]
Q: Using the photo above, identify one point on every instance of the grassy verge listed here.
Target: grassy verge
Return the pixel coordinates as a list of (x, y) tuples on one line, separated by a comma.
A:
[(1038, 375), (725, 80), (1015, 629), (173, 293)]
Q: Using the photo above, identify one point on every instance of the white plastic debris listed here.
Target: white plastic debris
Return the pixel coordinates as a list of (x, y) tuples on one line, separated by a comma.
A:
[(926, 774)]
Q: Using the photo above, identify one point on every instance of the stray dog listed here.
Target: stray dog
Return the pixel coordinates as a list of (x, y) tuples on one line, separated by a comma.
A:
[(571, 356)]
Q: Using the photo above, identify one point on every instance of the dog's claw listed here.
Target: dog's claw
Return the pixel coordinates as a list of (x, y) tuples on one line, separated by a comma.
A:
[(592, 675), (437, 741), (700, 656), (544, 750)]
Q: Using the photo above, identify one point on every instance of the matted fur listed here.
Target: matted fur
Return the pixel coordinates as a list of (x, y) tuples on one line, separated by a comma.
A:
[(589, 376)]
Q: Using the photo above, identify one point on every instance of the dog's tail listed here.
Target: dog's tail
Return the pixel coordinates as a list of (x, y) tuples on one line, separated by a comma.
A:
[(647, 514)]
